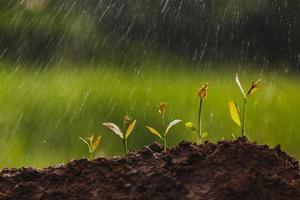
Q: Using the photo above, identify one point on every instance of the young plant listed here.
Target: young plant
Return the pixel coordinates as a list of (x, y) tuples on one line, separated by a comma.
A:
[(162, 110), (128, 126), (237, 117), (92, 143), (202, 93)]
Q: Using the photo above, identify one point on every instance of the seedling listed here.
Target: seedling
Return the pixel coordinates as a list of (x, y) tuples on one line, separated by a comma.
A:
[(202, 93), (162, 110), (128, 127), (237, 117), (92, 143)]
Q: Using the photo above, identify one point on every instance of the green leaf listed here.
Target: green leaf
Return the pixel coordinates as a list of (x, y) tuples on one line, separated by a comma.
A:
[(237, 80), (172, 123), (191, 126), (204, 135), (114, 128), (234, 112), (83, 140), (90, 139), (129, 129), (154, 132)]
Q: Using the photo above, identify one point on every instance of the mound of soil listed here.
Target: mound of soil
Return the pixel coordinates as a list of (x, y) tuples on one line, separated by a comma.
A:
[(227, 170)]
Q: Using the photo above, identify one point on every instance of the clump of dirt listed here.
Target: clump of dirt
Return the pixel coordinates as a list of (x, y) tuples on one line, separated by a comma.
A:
[(227, 170)]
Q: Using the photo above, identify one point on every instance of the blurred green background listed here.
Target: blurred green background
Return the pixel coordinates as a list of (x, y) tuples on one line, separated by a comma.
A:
[(67, 66)]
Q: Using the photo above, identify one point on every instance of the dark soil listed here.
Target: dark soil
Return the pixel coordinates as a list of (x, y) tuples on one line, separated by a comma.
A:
[(228, 170)]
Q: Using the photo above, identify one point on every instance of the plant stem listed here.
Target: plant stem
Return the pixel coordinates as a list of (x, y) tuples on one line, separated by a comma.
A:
[(199, 121), (163, 120), (165, 142), (125, 146), (165, 135), (124, 138), (244, 118)]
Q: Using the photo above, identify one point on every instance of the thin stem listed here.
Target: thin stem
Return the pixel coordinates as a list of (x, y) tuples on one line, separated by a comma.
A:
[(125, 146), (199, 121), (90, 152), (244, 117), (165, 135), (165, 142), (163, 120), (124, 138)]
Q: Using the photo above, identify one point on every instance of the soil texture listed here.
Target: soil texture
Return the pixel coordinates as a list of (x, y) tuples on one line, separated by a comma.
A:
[(229, 170)]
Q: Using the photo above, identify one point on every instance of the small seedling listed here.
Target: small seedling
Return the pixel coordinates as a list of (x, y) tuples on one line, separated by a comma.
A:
[(237, 117), (202, 93), (92, 143), (162, 110), (128, 127)]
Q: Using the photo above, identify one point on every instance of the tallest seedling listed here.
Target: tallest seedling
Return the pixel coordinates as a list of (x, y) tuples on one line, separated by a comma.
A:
[(237, 117)]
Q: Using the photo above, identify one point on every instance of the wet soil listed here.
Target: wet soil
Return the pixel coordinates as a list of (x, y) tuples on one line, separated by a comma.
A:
[(231, 170)]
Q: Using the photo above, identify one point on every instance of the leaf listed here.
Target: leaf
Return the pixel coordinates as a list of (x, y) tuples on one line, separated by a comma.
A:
[(204, 135), (95, 143), (255, 86), (114, 128), (129, 129), (191, 126), (153, 131), (90, 139), (239, 84), (234, 112), (173, 123), (83, 140)]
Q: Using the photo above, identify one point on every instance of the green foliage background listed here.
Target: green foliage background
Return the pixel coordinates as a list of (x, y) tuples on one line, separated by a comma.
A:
[(44, 111)]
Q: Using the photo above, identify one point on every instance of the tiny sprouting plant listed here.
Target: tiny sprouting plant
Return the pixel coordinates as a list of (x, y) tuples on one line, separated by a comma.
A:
[(162, 110), (237, 117), (128, 126), (202, 93), (92, 143)]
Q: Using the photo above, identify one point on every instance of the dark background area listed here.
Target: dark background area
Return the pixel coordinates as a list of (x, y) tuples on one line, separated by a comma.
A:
[(44, 31)]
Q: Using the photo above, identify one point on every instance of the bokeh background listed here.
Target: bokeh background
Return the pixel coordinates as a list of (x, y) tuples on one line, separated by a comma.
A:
[(66, 66)]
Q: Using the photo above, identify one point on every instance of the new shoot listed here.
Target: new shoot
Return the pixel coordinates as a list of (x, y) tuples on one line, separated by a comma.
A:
[(92, 143), (162, 110), (128, 126), (202, 93), (237, 117)]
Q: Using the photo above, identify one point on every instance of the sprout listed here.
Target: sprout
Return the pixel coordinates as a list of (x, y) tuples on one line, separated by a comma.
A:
[(92, 143), (191, 126), (162, 110), (202, 93), (127, 130), (235, 114)]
